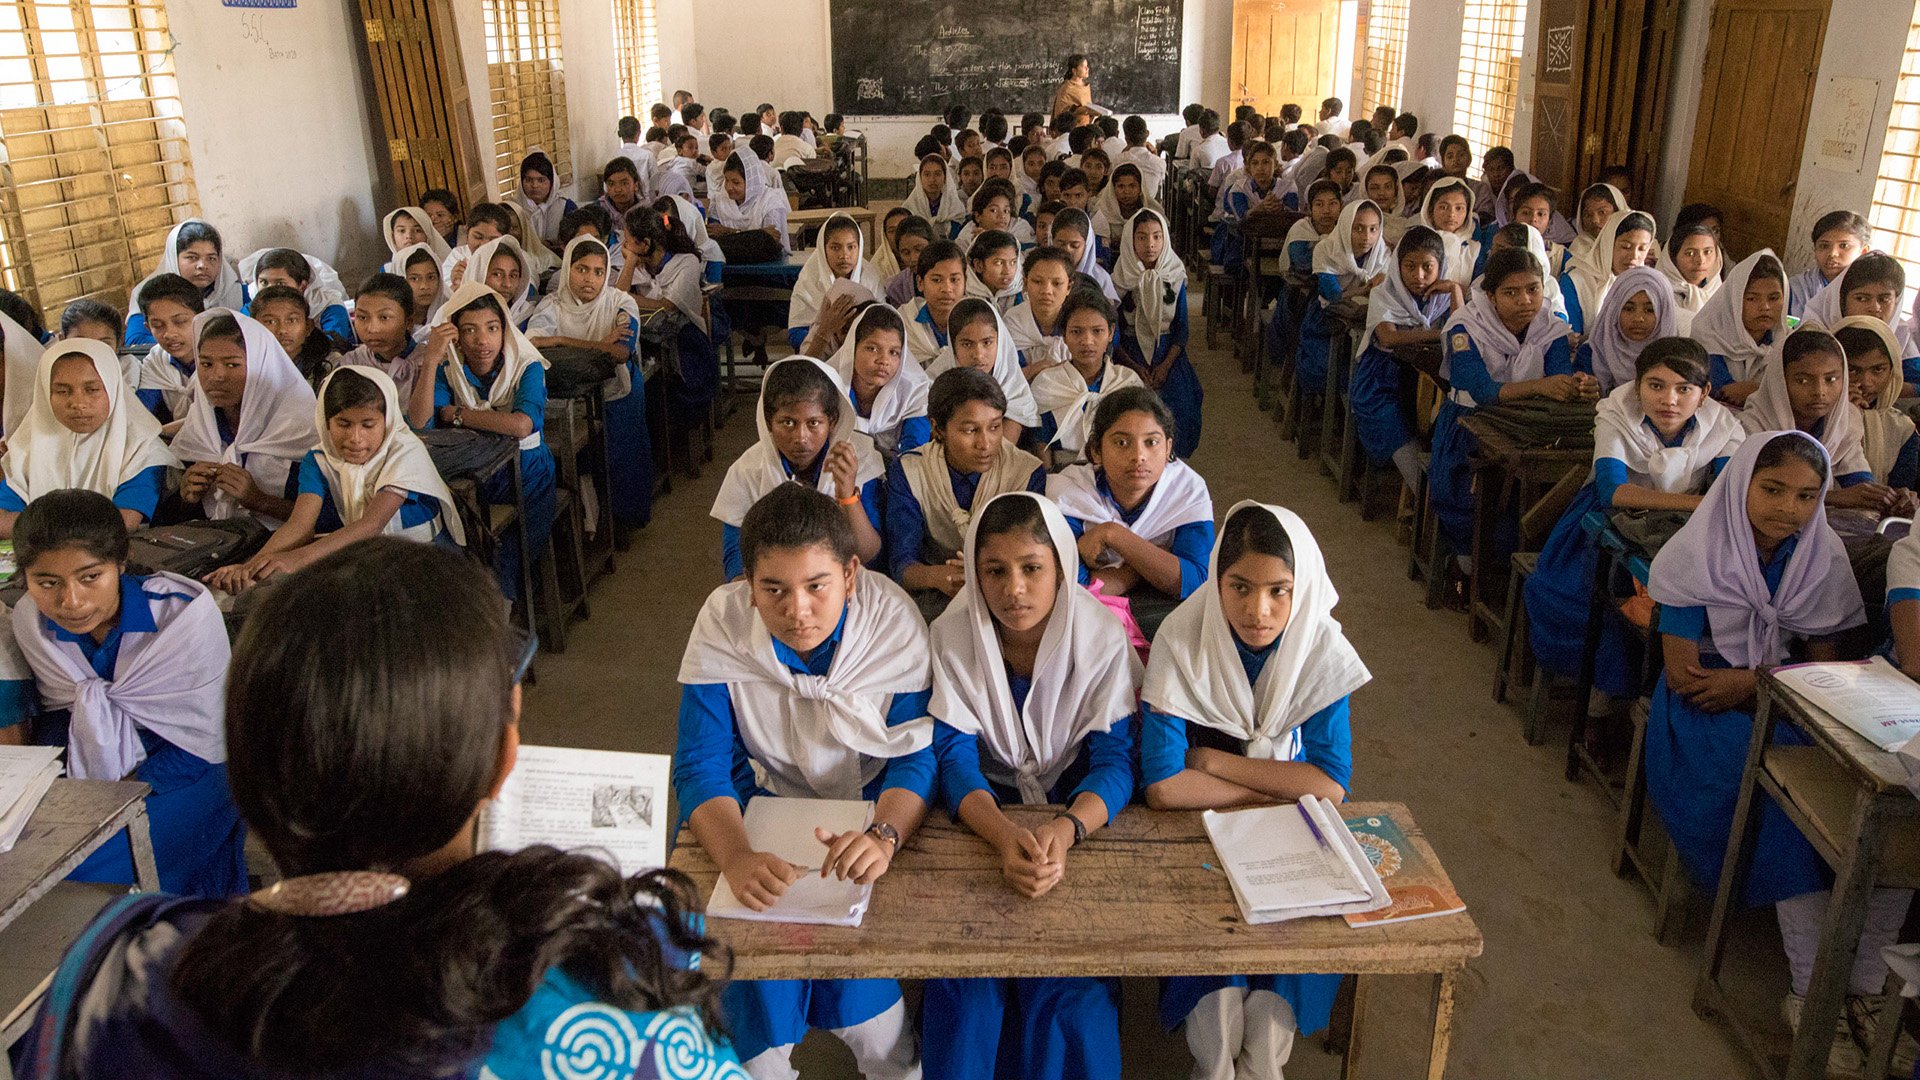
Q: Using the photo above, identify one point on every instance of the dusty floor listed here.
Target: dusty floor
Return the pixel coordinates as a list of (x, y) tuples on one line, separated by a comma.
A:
[(1572, 982)]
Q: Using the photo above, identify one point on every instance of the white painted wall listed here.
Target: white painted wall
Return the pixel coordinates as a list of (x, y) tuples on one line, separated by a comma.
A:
[(278, 123), (1433, 61), (593, 87)]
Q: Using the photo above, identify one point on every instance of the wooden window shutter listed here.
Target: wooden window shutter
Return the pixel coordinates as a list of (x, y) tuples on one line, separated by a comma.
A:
[(426, 115)]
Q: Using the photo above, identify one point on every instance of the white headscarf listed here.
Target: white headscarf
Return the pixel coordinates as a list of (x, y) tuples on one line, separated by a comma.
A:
[(324, 289), (1060, 392), (1179, 498), (760, 468), (1393, 304), (533, 247), (1334, 253), (1771, 409), (901, 399), (228, 290), (1196, 674), (1021, 408), (43, 455), (953, 205), (1084, 677), (1884, 428), (696, 228), (1107, 204), (1462, 249), (172, 682), (542, 218), (1687, 296), (1508, 358), (1581, 241), (517, 354), (763, 204), (22, 357), (1592, 268), (1620, 432), (1155, 290), (1719, 327), (816, 277), (1089, 258), (400, 267), (1032, 343), (276, 414), (590, 320), (817, 736), (434, 241), (401, 461), (519, 307)]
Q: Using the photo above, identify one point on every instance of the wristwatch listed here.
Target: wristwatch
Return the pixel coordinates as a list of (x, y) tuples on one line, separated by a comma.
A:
[(880, 830), (457, 420), (1079, 827)]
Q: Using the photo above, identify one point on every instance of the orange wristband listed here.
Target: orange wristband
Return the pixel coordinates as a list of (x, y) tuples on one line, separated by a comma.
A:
[(851, 500)]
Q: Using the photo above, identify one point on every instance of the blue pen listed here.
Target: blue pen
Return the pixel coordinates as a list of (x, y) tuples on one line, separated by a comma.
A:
[(1315, 829)]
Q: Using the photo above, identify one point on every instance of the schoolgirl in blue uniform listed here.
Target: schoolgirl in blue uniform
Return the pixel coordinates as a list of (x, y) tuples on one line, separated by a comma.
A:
[(248, 425), (1639, 308), (1804, 389), (1258, 185), (129, 674), (1887, 436), (811, 678), (1323, 215), (494, 380), (318, 282), (1153, 322), (1627, 240), (807, 435), (886, 383), (1348, 263), (1658, 443), (978, 338), (1737, 324), (1246, 701), (1408, 308), (1033, 702), (1754, 577), (168, 304), (1505, 345), (195, 251)]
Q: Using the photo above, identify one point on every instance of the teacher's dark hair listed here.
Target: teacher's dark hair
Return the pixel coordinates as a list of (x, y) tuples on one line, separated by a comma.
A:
[(1073, 62), (361, 736)]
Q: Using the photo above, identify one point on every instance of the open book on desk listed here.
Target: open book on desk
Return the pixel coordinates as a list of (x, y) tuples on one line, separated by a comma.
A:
[(1870, 696), (599, 802), (784, 827), (26, 773), (1294, 861)]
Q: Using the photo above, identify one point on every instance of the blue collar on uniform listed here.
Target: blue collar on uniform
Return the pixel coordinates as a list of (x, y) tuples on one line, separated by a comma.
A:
[(475, 380), (135, 617), (810, 474), (1679, 439), (1817, 428), (1253, 660), (821, 661), (925, 318), (1106, 492)]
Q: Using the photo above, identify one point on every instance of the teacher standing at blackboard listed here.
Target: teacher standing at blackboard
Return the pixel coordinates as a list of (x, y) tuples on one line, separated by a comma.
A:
[(1074, 93)]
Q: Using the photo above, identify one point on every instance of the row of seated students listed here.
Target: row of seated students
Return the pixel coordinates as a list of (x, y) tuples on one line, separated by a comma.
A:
[(1753, 400)]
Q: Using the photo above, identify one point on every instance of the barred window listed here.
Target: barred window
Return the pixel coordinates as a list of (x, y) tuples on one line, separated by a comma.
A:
[(528, 87), (1895, 211), (636, 56), (1386, 55), (1489, 84)]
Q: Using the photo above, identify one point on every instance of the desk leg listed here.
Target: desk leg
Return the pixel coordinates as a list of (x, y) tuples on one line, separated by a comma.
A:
[(1350, 1061), (527, 554), (146, 877), (1443, 986), (1746, 828), (1486, 500), (1839, 940)]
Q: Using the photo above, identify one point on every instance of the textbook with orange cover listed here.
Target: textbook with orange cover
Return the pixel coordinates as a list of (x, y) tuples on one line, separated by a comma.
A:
[(1417, 891)]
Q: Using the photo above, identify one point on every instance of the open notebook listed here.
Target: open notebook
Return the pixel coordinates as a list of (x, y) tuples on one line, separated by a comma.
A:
[(784, 827), (1294, 861)]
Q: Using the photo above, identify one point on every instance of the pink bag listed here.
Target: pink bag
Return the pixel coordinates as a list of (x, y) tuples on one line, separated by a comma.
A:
[(1119, 606)]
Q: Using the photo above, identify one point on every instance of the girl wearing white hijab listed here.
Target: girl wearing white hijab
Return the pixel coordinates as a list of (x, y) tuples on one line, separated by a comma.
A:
[(1756, 571), (1457, 230), (1626, 240), (1698, 247), (746, 202), (1153, 317), (808, 435), (527, 235), (1803, 387), (195, 251), (967, 346), (249, 423), (1110, 214), (814, 690), (1659, 440), (1033, 703), (97, 437), (1073, 233), (1067, 392), (1638, 309), (886, 384), (1246, 701), (417, 264), (326, 296), (370, 476), (1348, 263), (1592, 219), (142, 701), (542, 215), (1887, 436), (406, 227), (1738, 324), (518, 287), (1397, 315), (936, 197), (839, 254)]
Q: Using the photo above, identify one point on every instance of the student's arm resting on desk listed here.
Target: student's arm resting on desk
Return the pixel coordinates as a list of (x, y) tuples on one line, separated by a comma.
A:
[(1613, 488), (1179, 777), (702, 762), (906, 524), (908, 787)]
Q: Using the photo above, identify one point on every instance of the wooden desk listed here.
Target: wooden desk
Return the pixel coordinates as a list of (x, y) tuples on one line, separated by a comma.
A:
[(1851, 802), (75, 819), (861, 215), (469, 460), (1136, 902), (1505, 472)]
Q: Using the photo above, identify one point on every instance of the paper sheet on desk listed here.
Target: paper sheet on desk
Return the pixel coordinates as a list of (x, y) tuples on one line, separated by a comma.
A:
[(26, 774), (1872, 697), (1280, 869), (595, 801), (784, 827)]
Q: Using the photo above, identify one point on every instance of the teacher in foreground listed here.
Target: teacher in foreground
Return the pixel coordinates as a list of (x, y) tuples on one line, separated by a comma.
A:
[(1074, 93)]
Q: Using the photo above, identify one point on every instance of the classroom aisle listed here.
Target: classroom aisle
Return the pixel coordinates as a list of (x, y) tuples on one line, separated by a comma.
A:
[(1571, 983)]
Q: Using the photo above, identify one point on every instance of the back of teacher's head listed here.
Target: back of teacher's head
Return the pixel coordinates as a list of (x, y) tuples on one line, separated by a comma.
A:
[(371, 708)]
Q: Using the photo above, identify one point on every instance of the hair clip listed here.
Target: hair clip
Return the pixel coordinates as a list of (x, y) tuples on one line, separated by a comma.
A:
[(341, 892)]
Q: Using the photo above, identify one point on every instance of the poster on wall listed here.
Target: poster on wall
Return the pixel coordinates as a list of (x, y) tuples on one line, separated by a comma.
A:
[(260, 3), (1842, 123)]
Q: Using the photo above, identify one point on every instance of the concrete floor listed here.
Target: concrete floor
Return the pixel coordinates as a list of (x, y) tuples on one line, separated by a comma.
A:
[(1572, 982)]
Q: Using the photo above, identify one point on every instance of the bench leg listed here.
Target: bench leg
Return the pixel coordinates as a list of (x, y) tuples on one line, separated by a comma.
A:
[(146, 876), (1350, 1060), (1443, 986)]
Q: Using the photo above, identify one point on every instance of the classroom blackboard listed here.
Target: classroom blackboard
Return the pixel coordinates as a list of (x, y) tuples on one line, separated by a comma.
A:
[(916, 57)]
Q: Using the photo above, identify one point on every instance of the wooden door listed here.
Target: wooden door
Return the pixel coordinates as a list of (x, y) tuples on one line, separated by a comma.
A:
[(1284, 51), (1762, 56), (426, 115), (1600, 91)]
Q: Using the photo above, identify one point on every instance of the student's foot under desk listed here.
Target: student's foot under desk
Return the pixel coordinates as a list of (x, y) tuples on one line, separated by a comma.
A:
[(1138, 900)]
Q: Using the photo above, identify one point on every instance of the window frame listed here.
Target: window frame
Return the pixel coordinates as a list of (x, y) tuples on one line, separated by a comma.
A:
[(1487, 88), (526, 88), (1894, 211)]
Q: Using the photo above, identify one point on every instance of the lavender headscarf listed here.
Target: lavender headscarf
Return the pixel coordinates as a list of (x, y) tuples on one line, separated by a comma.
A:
[(1614, 356), (1713, 562)]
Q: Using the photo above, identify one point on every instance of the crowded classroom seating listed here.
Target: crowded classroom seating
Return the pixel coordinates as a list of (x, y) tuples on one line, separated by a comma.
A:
[(297, 531)]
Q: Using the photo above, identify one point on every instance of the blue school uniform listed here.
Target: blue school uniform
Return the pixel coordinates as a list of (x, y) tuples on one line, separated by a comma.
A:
[(1558, 592), (913, 432), (1181, 390), (419, 515), (1695, 761), (1229, 247), (925, 318), (1719, 374), (332, 320), (1036, 1029), (536, 465), (908, 540), (871, 497), (710, 761), (1314, 354), (1374, 392), (1449, 474), (1324, 741), (630, 448), (1192, 543), (140, 493), (1570, 296), (1906, 468), (199, 843)]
